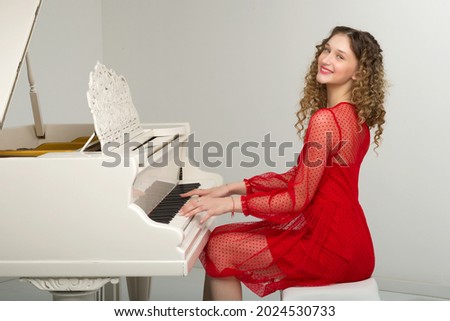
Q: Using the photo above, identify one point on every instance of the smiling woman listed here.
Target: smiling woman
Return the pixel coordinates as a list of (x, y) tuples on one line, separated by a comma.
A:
[(368, 84), (312, 230)]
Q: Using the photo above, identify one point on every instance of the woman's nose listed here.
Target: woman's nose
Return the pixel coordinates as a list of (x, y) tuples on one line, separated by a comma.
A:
[(326, 59)]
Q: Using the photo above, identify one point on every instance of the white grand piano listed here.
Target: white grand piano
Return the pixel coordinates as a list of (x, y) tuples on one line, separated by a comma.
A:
[(79, 210)]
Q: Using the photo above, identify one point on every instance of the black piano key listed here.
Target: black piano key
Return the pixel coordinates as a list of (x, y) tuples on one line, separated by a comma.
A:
[(171, 204), (184, 188)]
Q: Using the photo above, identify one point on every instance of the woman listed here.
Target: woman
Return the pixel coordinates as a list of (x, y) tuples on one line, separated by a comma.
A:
[(312, 230)]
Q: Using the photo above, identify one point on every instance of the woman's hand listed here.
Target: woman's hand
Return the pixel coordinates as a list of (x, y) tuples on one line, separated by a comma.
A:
[(210, 205), (218, 191)]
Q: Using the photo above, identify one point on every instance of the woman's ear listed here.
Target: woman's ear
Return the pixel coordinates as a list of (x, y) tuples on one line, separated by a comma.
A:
[(356, 74)]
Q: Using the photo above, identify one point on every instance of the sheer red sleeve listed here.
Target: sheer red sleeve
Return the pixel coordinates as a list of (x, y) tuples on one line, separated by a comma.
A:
[(281, 197), (269, 181)]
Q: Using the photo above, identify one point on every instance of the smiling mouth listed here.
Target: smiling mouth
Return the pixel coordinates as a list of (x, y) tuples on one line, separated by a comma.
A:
[(325, 71)]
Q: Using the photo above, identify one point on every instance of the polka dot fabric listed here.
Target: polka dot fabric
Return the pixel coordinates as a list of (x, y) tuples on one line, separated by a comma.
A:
[(312, 230)]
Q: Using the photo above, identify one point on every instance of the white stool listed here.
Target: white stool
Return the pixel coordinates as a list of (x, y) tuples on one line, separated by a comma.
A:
[(366, 290)]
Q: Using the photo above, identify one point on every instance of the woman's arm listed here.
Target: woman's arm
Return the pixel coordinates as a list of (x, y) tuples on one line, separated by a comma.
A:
[(282, 205)]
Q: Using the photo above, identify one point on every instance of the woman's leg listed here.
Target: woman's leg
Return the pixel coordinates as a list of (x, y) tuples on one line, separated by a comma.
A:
[(222, 289), (248, 251)]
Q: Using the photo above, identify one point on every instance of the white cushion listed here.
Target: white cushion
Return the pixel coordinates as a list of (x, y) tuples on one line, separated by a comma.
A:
[(366, 290)]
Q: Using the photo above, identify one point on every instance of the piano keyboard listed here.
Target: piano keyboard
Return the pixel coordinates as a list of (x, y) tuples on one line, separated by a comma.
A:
[(166, 210)]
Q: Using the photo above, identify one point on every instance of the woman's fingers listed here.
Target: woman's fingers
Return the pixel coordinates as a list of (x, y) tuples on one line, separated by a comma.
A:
[(218, 191), (194, 206), (196, 192), (210, 206), (191, 207)]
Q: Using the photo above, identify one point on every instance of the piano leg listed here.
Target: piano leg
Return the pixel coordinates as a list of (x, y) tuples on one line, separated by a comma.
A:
[(110, 292), (74, 295), (139, 288), (71, 289)]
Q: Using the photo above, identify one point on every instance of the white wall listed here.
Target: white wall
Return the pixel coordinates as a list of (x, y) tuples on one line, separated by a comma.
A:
[(234, 69)]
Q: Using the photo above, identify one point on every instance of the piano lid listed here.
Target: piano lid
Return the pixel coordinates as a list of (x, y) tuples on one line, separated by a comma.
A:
[(17, 19)]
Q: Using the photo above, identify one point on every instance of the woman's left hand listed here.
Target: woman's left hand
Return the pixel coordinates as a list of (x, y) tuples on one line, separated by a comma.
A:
[(212, 206)]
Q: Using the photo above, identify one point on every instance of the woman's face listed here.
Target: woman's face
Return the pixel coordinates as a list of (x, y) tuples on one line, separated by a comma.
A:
[(337, 64)]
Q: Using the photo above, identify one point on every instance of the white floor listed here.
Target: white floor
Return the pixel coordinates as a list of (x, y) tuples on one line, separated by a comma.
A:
[(163, 289)]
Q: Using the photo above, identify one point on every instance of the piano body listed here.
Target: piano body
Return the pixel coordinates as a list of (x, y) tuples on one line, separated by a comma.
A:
[(75, 206)]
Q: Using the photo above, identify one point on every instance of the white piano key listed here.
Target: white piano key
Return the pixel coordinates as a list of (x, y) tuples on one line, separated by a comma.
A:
[(180, 221)]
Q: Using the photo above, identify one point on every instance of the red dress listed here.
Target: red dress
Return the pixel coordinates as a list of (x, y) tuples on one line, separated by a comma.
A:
[(312, 229)]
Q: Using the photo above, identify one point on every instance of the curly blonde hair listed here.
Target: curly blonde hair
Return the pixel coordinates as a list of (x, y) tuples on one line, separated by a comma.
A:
[(368, 90)]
